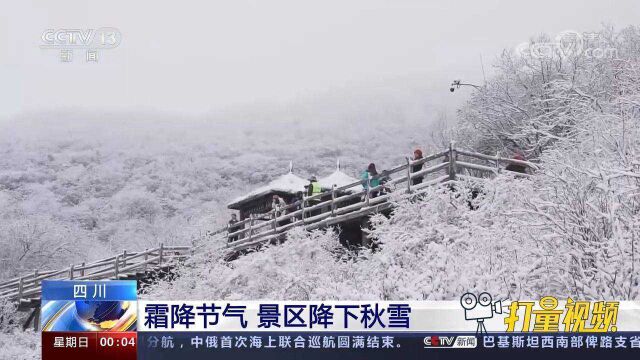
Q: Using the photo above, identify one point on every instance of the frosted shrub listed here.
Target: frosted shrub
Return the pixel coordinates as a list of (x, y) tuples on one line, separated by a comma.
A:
[(437, 248), (34, 242), (138, 205)]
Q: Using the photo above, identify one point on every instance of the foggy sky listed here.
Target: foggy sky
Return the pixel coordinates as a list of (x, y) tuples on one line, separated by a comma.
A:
[(195, 57)]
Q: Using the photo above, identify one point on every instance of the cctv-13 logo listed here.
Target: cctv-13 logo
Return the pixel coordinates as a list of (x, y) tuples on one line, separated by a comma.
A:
[(543, 315)]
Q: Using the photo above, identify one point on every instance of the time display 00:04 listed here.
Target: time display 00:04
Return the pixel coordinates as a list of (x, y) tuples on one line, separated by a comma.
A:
[(109, 341)]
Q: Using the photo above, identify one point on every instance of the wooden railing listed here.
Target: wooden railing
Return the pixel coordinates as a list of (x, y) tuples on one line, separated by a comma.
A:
[(114, 267), (354, 200)]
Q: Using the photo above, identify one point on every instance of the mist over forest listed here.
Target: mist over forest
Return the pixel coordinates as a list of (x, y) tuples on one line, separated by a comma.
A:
[(77, 185)]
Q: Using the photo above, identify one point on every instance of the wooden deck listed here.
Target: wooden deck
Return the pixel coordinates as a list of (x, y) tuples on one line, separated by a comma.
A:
[(357, 201), (26, 289)]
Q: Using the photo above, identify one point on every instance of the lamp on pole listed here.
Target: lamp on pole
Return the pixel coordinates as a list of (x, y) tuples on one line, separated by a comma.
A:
[(456, 84)]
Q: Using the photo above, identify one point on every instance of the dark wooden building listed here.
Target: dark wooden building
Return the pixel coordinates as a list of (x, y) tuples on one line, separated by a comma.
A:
[(259, 200)]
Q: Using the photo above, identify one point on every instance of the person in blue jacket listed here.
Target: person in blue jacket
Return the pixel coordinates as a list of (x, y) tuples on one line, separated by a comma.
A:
[(369, 178)]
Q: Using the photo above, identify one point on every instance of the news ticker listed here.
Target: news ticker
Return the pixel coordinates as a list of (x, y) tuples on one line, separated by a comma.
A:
[(106, 320)]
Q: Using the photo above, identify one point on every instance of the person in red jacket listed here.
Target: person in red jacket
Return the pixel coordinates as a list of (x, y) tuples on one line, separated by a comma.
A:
[(515, 167), (417, 155)]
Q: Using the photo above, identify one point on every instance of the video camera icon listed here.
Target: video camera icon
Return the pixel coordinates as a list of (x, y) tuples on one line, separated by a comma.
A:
[(480, 308)]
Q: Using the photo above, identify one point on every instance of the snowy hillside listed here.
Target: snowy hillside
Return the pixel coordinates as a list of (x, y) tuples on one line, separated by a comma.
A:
[(573, 229)]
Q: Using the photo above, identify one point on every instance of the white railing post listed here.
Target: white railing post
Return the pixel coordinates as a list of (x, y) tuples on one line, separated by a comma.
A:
[(333, 200), (408, 175)]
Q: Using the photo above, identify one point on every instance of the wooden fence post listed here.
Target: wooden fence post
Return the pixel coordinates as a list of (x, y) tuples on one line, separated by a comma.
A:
[(71, 272), (452, 161), (82, 270), (35, 277), (275, 222), (36, 318), (333, 200), (115, 266), (250, 226), (20, 288), (124, 257), (161, 250), (304, 208), (497, 162), (408, 175), (146, 257), (367, 194)]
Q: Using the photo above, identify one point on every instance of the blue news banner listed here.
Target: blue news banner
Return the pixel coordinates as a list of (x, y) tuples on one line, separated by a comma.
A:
[(89, 320), (414, 345), (105, 320), (377, 330)]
